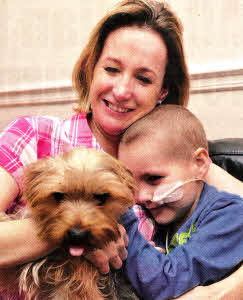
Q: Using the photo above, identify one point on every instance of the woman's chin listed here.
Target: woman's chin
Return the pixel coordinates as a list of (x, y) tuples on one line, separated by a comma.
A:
[(113, 127), (113, 131)]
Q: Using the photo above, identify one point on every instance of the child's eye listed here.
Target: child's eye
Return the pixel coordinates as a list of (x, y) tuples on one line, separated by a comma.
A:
[(144, 79), (153, 179), (111, 69)]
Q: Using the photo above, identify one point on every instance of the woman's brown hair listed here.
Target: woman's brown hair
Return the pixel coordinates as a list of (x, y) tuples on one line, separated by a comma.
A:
[(148, 14)]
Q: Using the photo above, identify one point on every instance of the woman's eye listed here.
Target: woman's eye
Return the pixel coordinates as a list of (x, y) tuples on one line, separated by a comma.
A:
[(144, 79), (111, 70)]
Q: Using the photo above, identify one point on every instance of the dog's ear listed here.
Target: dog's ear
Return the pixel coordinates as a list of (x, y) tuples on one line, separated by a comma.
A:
[(33, 176), (125, 175), (35, 169)]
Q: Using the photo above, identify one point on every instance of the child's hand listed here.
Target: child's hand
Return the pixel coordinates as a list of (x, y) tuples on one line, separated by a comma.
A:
[(158, 248), (111, 255)]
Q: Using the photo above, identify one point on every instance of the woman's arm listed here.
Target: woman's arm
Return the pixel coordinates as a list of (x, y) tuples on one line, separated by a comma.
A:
[(229, 288), (9, 189), (19, 243), (18, 239), (222, 180)]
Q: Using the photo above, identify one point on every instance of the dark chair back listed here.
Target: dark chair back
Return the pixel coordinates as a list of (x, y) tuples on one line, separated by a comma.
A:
[(228, 154)]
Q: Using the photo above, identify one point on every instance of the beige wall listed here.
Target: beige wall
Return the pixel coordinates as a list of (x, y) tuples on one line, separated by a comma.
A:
[(213, 33), (41, 40)]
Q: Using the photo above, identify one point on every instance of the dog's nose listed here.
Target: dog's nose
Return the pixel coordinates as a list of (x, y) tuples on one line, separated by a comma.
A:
[(76, 236)]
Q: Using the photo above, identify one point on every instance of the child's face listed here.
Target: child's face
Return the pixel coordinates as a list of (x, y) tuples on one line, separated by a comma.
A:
[(152, 168)]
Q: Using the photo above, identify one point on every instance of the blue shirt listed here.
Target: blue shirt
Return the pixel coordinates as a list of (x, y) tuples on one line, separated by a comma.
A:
[(208, 246)]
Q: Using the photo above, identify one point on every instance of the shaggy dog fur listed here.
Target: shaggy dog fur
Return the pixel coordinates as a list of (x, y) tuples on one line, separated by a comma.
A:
[(76, 199)]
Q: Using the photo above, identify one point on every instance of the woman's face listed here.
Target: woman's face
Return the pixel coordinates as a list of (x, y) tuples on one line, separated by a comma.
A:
[(127, 80)]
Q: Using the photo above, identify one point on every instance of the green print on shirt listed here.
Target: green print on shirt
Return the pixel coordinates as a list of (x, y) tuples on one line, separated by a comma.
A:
[(181, 238)]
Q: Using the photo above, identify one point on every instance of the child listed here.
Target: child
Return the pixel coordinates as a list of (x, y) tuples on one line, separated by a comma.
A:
[(200, 228)]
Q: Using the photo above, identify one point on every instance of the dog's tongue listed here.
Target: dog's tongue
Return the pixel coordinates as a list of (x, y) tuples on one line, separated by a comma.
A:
[(76, 251)]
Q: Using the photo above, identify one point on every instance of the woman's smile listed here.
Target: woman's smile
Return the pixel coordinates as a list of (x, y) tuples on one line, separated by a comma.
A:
[(116, 108)]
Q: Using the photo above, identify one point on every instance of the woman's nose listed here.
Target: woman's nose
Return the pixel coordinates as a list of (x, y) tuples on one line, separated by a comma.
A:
[(122, 89)]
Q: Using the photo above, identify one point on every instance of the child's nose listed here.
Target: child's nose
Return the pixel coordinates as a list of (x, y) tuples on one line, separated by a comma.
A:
[(143, 195)]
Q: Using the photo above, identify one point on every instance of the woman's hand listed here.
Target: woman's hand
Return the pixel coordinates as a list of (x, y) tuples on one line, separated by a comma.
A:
[(229, 288), (112, 255), (201, 293)]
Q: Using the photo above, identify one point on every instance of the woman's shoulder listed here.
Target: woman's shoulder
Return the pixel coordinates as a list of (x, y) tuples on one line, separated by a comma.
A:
[(25, 122), (42, 123)]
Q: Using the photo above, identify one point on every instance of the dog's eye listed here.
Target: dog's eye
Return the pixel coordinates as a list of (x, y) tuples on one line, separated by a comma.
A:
[(102, 197), (58, 196)]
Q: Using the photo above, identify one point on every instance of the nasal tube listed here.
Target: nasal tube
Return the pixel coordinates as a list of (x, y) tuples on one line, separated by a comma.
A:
[(166, 193)]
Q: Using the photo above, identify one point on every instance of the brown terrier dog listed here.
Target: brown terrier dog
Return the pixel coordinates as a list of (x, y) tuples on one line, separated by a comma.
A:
[(76, 200)]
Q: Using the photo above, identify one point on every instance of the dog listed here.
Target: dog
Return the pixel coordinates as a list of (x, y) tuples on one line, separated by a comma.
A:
[(76, 200)]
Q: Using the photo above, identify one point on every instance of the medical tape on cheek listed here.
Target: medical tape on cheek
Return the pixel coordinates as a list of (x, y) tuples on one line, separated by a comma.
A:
[(173, 192), (166, 193)]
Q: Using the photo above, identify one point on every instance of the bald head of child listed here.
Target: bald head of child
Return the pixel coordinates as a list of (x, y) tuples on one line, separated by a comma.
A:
[(171, 128)]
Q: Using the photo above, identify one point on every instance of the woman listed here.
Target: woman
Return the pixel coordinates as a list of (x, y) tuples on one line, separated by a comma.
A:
[(133, 62)]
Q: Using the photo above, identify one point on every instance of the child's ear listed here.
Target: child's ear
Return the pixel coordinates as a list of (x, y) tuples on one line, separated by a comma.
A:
[(202, 162)]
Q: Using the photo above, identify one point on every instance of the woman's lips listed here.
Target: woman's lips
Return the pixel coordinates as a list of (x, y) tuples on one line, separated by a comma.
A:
[(116, 108)]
